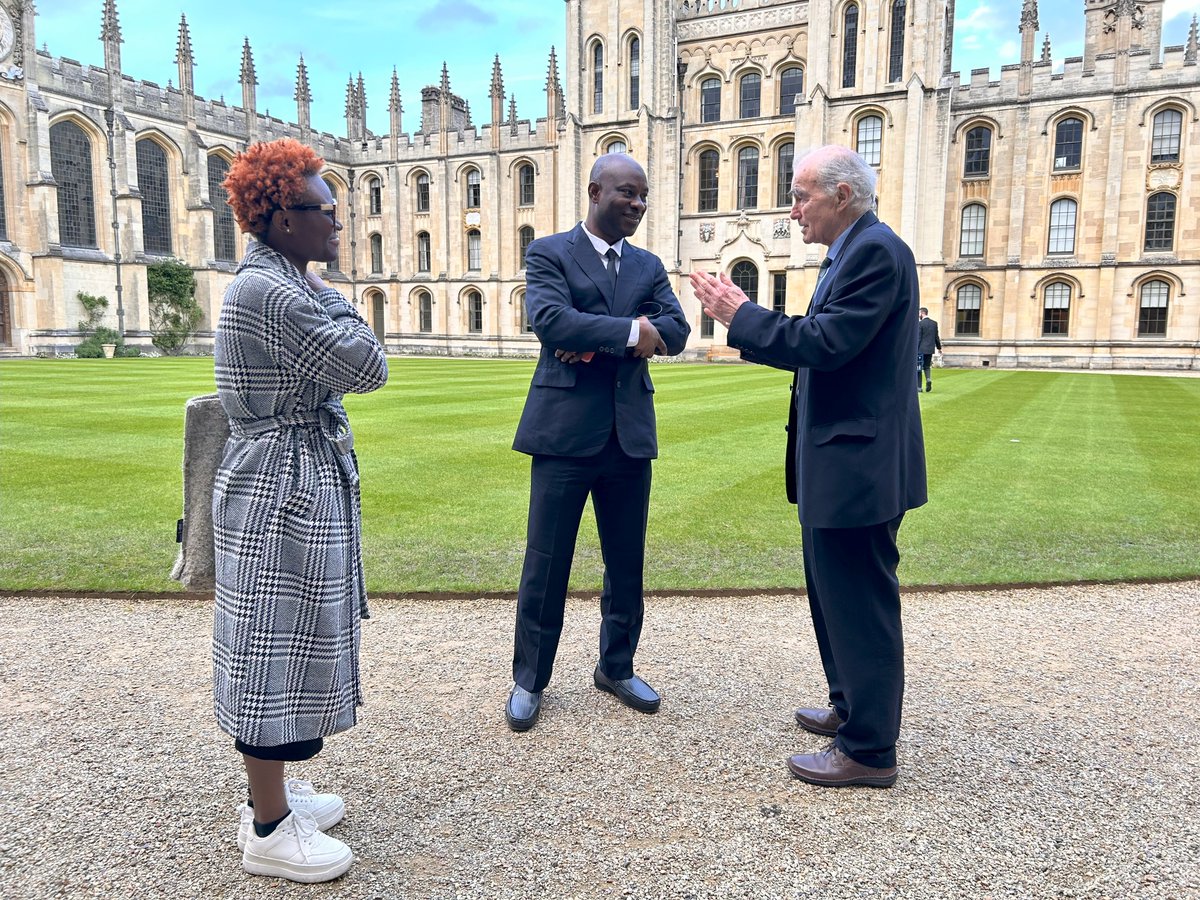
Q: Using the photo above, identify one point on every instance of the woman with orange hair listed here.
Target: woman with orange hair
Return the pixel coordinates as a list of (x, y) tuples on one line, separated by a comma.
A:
[(286, 515)]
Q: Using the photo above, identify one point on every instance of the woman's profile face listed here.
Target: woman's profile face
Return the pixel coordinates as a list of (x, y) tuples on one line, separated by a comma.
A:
[(308, 230)]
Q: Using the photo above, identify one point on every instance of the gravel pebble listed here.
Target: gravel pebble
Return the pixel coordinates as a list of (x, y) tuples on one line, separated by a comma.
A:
[(1046, 752)]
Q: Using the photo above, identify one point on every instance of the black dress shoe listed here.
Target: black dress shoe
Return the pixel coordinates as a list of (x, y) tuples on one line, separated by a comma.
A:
[(523, 708), (819, 721), (631, 691)]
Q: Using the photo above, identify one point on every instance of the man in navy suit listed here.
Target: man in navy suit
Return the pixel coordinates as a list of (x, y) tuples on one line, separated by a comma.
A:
[(856, 456), (601, 307)]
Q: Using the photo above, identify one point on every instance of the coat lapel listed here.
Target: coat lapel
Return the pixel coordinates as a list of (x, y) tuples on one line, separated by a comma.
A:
[(865, 221), (589, 260)]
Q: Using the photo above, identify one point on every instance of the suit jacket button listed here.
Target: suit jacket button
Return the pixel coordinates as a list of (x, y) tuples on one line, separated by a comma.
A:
[(618, 384)]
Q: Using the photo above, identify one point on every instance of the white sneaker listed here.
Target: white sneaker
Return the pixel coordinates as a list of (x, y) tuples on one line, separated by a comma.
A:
[(327, 809), (298, 851)]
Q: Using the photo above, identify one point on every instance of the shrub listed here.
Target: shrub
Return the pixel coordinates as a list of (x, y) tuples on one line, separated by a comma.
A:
[(174, 312)]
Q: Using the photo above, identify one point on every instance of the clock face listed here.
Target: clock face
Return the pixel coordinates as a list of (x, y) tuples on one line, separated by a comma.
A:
[(6, 35)]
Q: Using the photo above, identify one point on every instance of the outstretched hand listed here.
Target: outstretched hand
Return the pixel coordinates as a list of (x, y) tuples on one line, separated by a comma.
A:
[(719, 296)]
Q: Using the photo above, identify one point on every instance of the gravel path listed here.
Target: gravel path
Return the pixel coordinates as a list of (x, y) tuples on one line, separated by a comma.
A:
[(1048, 751)]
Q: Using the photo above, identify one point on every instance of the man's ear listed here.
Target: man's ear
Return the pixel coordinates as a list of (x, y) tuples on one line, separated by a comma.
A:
[(593, 191)]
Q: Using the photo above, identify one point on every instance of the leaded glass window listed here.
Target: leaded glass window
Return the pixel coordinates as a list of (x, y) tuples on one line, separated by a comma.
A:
[(525, 179), (422, 193), (750, 94), (779, 291), (425, 310), (224, 227), (374, 197), (474, 312), (791, 84), (376, 254), (156, 197), (745, 276), (710, 100), (870, 139), (524, 239), (1068, 144), (71, 166), (423, 252), (708, 181), (747, 186), (474, 251), (896, 45), (635, 73), (849, 45), (474, 189), (783, 174), (597, 78)]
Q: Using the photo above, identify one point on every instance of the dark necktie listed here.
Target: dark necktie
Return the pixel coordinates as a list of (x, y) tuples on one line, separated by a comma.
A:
[(821, 273), (612, 258)]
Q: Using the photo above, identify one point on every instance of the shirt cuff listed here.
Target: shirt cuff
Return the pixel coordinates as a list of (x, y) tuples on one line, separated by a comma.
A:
[(634, 332)]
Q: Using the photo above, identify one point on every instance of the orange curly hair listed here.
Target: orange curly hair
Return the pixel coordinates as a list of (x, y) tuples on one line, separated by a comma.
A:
[(268, 176)]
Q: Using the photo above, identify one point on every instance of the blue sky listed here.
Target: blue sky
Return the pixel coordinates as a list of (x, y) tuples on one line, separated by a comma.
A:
[(339, 38)]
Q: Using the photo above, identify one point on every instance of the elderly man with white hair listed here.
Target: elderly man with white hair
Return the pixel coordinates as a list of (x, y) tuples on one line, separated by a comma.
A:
[(856, 455)]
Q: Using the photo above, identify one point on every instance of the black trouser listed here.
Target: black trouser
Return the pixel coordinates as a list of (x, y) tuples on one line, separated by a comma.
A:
[(559, 487), (854, 598), (924, 364)]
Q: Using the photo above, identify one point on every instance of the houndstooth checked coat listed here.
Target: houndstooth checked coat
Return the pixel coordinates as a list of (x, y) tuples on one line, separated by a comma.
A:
[(286, 519)]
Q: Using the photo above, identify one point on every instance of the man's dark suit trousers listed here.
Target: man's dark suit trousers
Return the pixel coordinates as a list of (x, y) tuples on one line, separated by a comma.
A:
[(558, 489), (854, 597)]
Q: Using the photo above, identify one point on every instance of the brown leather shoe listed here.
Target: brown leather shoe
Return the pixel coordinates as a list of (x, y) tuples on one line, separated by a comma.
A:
[(819, 721), (833, 768)]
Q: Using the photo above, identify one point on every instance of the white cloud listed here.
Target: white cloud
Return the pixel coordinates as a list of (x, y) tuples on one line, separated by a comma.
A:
[(1174, 8)]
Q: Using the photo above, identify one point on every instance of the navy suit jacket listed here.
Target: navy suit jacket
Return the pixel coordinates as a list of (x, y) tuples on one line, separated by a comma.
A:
[(856, 454), (572, 409)]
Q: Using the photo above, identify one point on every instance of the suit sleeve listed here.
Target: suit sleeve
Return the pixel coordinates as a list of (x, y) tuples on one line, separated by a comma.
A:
[(672, 325), (856, 308), (937, 339), (554, 318)]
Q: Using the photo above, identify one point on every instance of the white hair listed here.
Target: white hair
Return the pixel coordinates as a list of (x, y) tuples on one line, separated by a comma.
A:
[(834, 164)]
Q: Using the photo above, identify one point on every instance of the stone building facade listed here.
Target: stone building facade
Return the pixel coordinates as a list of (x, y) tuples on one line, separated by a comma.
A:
[(1052, 214)]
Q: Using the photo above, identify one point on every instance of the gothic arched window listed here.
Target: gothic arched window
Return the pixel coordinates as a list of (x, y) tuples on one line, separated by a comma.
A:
[(224, 228), (156, 197), (524, 239), (710, 100), (791, 84), (376, 254), (474, 251), (334, 265), (71, 166), (870, 139), (1068, 144), (1165, 139), (597, 78), (849, 45), (474, 312), (635, 73), (707, 196), (750, 96), (423, 254), (784, 158), (896, 44), (422, 193), (474, 189), (525, 180), (1056, 309), (424, 312), (966, 319), (374, 196), (978, 161), (747, 182)]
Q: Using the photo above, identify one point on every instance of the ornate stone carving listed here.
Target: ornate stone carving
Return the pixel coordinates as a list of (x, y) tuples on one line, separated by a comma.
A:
[(782, 228), (707, 231), (741, 23)]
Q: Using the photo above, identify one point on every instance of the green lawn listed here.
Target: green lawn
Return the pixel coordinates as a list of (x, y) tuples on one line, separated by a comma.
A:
[(1033, 477)]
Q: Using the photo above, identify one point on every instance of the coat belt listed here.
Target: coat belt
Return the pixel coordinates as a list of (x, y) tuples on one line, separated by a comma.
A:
[(330, 419)]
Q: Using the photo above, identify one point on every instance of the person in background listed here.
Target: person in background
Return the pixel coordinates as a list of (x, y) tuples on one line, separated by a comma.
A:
[(927, 342), (601, 307), (856, 455), (286, 516)]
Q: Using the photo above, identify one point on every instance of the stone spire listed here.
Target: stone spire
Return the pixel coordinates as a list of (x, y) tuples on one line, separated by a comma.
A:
[(395, 112), (303, 97), (110, 34), (351, 109), (1028, 30), (1193, 43), (445, 79), (249, 81), (512, 113), (187, 65), (496, 94), (554, 95), (1046, 50), (1029, 15), (361, 91)]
